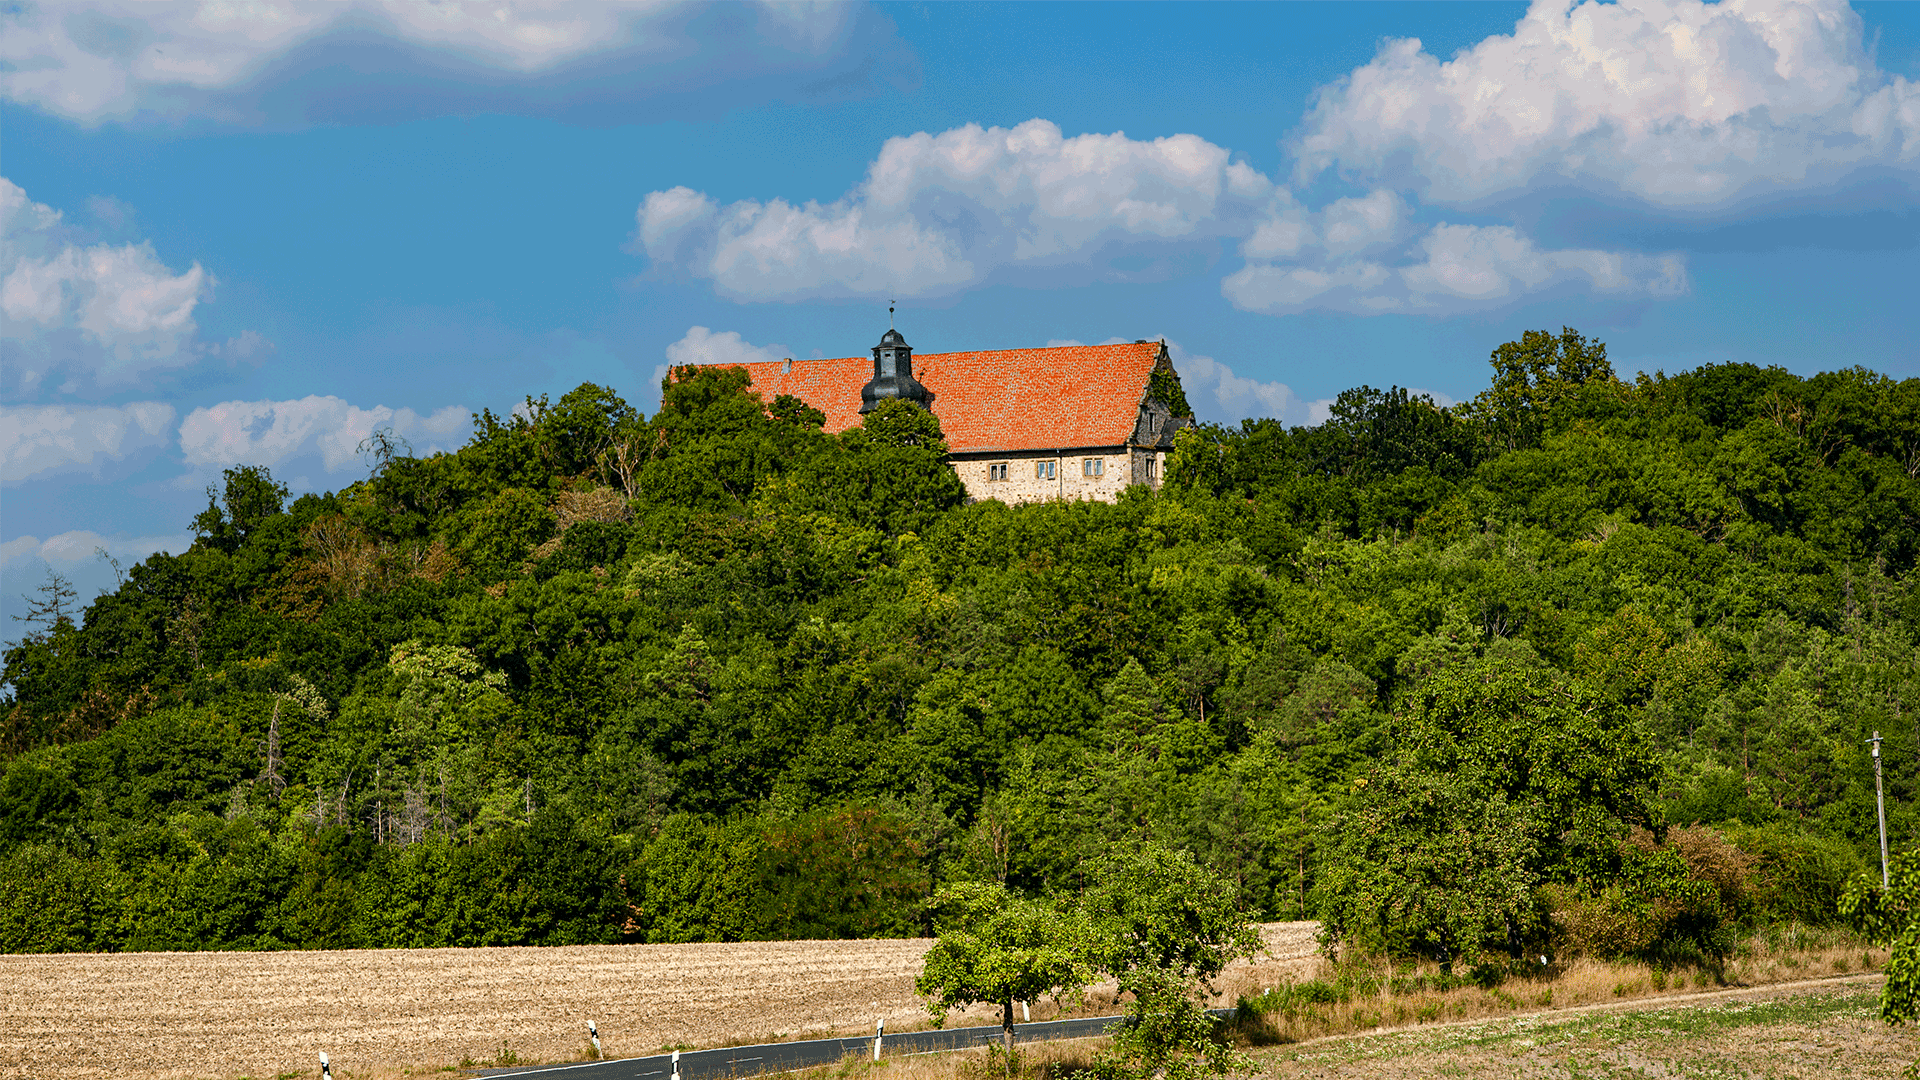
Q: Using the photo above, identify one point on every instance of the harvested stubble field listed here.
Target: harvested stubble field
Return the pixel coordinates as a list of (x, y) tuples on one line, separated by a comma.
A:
[(380, 1012)]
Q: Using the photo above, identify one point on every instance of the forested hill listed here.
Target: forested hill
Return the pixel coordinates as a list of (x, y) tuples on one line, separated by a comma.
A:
[(717, 674)]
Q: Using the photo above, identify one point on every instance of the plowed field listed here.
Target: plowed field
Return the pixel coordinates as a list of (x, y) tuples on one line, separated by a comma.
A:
[(376, 1012)]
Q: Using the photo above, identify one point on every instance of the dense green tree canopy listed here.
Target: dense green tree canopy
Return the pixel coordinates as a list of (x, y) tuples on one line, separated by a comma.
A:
[(1460, 680)]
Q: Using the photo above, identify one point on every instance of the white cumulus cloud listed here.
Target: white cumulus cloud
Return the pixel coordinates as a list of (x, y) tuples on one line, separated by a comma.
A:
[(272, 432), (1681, 104), (939, 213), (702, 346), (39, 441), (942, 213), (269, 60), (96, 316), (1675, 104)]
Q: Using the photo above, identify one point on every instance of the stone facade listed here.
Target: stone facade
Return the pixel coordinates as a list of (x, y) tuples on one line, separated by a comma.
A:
[(1063, 474), (1088, 472)]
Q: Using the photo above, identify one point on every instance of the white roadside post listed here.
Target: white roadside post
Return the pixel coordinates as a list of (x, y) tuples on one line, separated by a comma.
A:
[(879, 1032), (326, 1067), (594, 1034), (1026, 1014), (676, 1065)]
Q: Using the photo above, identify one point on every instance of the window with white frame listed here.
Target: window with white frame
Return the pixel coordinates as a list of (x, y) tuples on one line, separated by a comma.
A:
[(1043, 470), (1153, 469), (1093, 468), (997, 471)]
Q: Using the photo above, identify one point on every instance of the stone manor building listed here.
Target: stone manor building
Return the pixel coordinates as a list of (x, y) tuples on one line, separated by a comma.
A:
[(1072, 422)]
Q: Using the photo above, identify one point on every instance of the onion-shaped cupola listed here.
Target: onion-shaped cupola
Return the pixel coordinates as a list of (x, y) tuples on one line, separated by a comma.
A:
[(893, 375)]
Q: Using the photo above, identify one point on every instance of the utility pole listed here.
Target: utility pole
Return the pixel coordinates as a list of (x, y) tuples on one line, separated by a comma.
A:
[(1880, 801)]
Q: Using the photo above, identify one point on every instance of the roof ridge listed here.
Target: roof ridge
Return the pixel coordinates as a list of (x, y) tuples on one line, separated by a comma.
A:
[(920, 355), (1026, 400)]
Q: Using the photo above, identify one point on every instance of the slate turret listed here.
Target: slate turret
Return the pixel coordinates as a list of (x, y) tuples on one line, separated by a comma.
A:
[(893, 375)]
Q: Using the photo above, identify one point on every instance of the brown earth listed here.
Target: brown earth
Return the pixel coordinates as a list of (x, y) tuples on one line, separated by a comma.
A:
[(223, 1015)]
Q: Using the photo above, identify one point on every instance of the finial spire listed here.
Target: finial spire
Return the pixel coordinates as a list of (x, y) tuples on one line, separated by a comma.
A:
[(890, 303)]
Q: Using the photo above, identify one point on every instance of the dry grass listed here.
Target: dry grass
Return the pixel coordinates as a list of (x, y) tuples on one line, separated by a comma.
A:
[(1386, 995), (1765, 1032), (1033, 1061), (1786, 1034), (384, 1013)]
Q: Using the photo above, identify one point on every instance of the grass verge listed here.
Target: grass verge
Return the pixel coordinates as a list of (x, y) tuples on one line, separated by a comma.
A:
[(1804, 1034), (1368, 993), (1032, 1061)]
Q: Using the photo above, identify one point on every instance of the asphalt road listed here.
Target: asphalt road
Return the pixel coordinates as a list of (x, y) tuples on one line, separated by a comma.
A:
[(782, 1057)]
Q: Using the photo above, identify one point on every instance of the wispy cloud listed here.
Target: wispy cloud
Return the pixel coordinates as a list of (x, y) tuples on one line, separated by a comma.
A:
[(298, 62), (271, 433), (40, 441), (81, 546)]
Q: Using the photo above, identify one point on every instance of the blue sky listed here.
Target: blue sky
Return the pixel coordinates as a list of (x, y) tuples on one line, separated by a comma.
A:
[(256, 238)]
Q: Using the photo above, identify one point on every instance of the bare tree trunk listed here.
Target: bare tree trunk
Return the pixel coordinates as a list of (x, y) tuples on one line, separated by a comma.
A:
[(1006, 1030), (270, 769), (341, 808)]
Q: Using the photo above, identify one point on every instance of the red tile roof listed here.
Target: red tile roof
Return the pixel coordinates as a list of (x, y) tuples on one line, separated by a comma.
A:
[(990, 402)]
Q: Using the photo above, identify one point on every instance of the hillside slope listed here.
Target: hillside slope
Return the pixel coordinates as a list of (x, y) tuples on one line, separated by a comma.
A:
[(717, 675)]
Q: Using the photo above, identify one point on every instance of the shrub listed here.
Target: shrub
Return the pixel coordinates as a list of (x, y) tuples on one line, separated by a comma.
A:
[(1675, 901), (51, 901), (1795, 876), (699, 880), (848, 873), (1604, 924)]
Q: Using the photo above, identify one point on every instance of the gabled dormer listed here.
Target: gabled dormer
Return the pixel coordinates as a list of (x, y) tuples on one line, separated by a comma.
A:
[(1163, 408)]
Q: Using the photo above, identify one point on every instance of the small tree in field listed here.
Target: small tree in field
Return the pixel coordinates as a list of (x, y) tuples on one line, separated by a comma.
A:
[(1891, 916), (998, 948), (1164, 927)]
